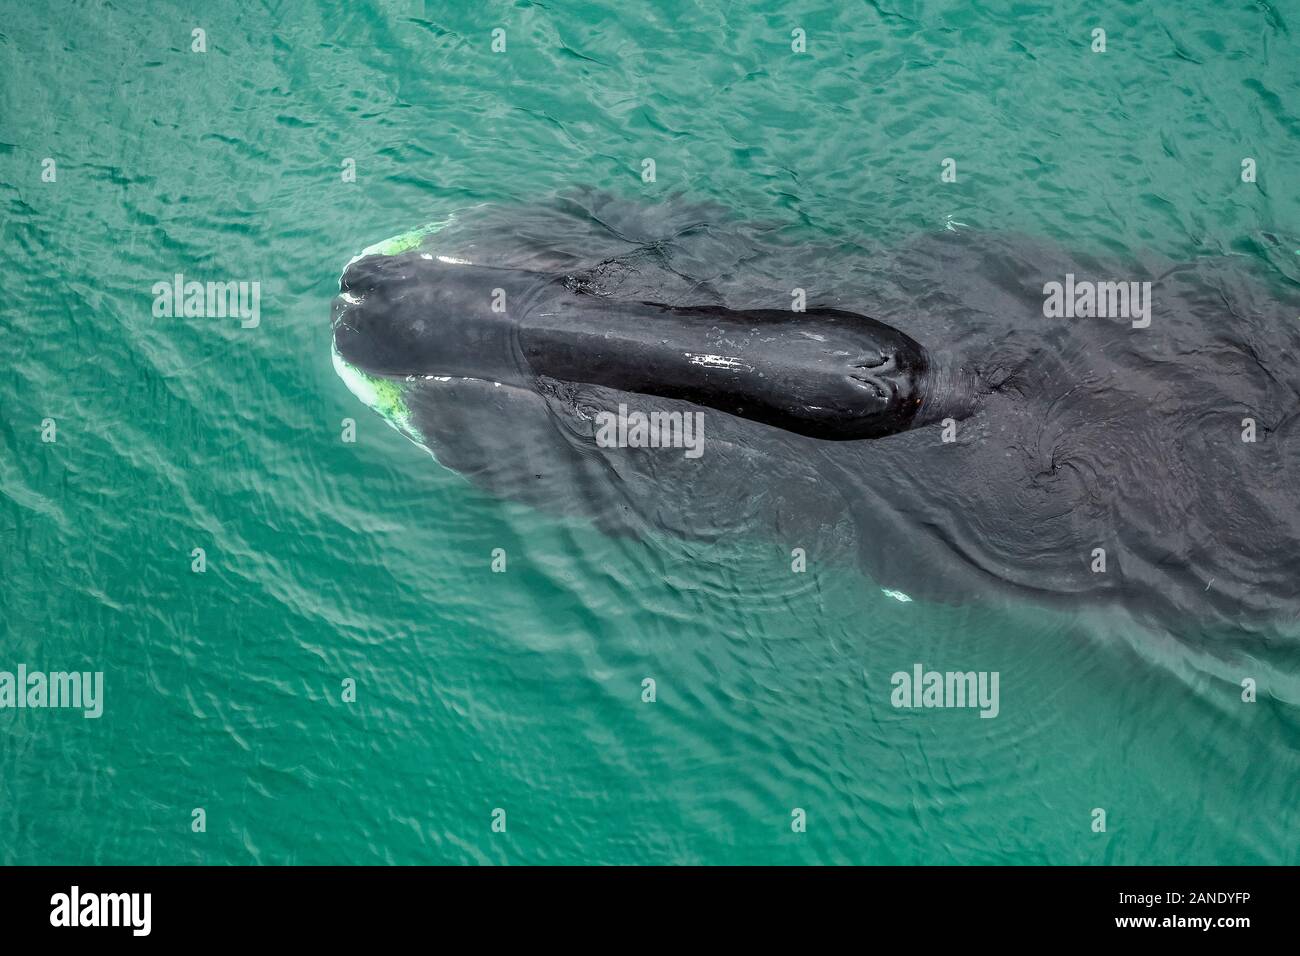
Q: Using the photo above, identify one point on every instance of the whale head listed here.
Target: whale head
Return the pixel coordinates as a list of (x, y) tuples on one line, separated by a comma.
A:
[(410, 318)]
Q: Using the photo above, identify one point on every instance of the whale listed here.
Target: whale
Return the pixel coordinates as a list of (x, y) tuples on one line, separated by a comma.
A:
[(824, 373), (922, 417)]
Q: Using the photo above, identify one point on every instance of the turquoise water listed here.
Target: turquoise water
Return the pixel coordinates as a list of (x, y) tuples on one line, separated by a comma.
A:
[(328, 560)]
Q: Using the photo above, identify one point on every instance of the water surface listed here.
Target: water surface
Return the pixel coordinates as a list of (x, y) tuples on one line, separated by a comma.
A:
[(329, 560)]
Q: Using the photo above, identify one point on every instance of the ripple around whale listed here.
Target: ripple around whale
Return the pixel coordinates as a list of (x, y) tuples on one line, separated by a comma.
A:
[(1099, 435)]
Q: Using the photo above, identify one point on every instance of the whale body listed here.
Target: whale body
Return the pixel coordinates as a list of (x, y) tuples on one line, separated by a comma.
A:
[(825, 373), (922, 418)]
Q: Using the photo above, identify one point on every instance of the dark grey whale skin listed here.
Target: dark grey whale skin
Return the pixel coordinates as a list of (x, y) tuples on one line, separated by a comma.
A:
[(825, 373), (1089, 433)]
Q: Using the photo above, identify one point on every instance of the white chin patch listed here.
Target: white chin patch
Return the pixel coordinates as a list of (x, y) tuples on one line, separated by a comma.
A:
[(357, 383), (383, 396), (408, 241)]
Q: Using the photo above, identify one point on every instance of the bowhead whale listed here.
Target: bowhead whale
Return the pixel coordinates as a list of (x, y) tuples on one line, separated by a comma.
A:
[(824, 373), (922, 417)]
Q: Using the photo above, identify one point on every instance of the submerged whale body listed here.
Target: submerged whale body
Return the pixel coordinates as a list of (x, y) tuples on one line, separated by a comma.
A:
[(922, 417)]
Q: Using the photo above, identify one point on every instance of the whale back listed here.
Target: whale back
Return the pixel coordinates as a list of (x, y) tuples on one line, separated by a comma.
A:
[(1148, 468)]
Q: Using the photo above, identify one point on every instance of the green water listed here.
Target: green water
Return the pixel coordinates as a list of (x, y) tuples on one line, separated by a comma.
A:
[(329, 560)]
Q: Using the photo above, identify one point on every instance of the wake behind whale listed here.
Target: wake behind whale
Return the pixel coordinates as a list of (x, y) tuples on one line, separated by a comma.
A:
[(921, 415)]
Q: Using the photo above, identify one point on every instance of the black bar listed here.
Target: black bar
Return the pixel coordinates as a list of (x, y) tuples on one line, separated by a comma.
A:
[(334, 905)]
